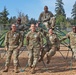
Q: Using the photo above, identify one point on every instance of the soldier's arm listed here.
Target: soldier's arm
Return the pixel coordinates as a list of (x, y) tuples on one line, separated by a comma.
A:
[(21, 41), (6, 42), (41, 40), (51, 14), (47, 39), (65, 37), (39, 20), (58, 42), (27, 39)]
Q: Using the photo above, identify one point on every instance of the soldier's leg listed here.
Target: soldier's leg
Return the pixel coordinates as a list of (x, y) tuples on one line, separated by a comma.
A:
[(30, 57), (15, 59), (42, 56), (74, 53), (22, 33), (51, 53), (52, 21), (46, 25), (8, 58), (35, 58), (43, 52)]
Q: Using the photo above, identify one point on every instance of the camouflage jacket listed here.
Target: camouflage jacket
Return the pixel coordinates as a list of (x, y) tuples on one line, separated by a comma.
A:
[(34, 39), (52, 40), (21, 27), (72, 36), (45, 16), (13, 39)]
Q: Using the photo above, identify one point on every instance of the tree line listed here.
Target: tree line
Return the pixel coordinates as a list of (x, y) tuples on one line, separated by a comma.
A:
[(61, 20)]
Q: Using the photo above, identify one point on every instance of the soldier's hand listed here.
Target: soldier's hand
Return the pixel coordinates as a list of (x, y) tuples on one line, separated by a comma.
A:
[(6, 49), (41, 47), (18, 48)]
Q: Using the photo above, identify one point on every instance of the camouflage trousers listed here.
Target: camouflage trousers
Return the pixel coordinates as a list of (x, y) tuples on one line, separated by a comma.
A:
[(15, 56), (50, 23), (51, 52), (22, 33), (33, 56), (74, 53)]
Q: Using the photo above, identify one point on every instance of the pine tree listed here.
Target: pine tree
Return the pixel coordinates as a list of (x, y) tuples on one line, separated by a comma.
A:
[(60, 14), (59, 8), (74, 13), (4, 16)]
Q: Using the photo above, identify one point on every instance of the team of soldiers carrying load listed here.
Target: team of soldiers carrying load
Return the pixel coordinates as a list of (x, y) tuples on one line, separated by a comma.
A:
[(34, 41)]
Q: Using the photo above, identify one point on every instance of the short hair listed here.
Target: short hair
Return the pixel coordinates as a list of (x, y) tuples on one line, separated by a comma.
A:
[(19, 19), (46, 6), (13, 25)]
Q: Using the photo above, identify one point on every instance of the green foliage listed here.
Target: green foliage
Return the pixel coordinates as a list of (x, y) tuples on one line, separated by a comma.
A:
[(12, 20), (74, 13), (60, 14), (4, 16), (32, 20), (59, 8)]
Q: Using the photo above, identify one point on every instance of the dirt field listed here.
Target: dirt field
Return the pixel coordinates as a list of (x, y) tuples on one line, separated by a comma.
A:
[(57, 66)]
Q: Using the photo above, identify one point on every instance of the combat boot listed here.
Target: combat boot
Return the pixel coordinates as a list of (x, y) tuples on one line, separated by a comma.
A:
[(33, 70), (6, 69), (16, 69), (40, 59), (48, 58)]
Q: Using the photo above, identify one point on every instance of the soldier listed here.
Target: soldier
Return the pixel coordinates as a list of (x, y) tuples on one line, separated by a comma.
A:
[(47, 18), (72, 37), (38, 28), (13, 42), (20, 27), (34, 44), (52, 45)]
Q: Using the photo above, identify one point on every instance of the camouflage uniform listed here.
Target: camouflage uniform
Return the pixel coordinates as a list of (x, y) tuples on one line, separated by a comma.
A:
[(13, 40), (34, 43), (21, 28), (42, 31), (47, 19), (72, 36), (52, 45)]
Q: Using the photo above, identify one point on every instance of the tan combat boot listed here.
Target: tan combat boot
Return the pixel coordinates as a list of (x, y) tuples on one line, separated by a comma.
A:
[(40, 59), (6, 69), (16, 69), (33, 70), (48, 58)]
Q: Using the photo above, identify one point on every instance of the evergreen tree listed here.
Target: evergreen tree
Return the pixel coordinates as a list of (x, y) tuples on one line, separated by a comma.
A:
[(74, 13), (60, 14), (12, 19), (59, 8), (4, 16)]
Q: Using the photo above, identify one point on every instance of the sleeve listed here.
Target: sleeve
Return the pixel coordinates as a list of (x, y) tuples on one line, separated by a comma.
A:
[(41, 39), (6, 42), (47, 40), (27, 39), (65, 37), (21, 41), (51, 14), (58, 42), (39, 20)]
